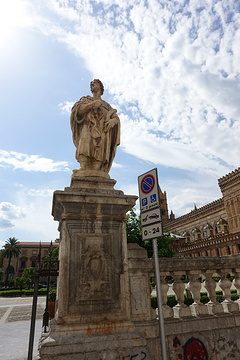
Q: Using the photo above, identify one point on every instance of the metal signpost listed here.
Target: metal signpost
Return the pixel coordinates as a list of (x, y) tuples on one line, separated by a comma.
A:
[(151, 222), (47, 268)]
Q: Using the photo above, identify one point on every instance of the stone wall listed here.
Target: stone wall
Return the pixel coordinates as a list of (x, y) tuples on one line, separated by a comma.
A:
[(206, 229), (230, 187), (212, 330)]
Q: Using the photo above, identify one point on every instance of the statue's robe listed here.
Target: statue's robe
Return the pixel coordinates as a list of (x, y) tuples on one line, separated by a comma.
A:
[(90, 135)]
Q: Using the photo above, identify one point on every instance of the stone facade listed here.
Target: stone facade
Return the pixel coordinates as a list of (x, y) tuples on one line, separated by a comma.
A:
[(214, 229), (164, 205), (27, 257), (230, 187)]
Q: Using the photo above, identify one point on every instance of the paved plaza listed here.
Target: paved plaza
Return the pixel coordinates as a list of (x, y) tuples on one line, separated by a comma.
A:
[(15, 318)]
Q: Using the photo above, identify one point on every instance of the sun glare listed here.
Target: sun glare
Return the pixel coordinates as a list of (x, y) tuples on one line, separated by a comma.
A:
[(12, 15)]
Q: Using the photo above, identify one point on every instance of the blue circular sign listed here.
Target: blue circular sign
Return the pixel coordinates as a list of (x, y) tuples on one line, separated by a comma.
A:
[(147, 184)]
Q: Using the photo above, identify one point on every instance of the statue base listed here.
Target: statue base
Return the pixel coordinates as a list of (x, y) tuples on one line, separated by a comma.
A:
[(90, 173), (93, 318), (98, 341)]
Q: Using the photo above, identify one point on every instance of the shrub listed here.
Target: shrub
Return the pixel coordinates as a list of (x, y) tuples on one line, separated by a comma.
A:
[(29, 276), (52, 294), (169, 279), (28, 292), (220, 298), (8, 289), (171, 300), (185, 279), (204, 299), (11, 283), (19, 283), (230, 277), (2, 283), (42, 291), (188, 300), (154, 302), (11, 293), (234, 296)]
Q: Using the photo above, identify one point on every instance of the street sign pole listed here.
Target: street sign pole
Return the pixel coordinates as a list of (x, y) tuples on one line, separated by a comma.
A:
[(159, 301), (151, 221)]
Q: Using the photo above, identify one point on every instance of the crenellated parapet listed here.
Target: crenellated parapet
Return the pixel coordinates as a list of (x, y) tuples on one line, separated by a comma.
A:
[(230, 187), (230, 178), (202, 211)]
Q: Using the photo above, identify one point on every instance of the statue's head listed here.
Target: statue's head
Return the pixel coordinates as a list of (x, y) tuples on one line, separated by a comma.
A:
[(99, 83)]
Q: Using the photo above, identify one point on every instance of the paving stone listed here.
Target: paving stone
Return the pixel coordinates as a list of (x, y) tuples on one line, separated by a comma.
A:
[(24, 313), (2, 311)]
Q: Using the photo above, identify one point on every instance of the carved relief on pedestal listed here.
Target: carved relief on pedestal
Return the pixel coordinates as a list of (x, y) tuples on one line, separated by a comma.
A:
[(95, 273)]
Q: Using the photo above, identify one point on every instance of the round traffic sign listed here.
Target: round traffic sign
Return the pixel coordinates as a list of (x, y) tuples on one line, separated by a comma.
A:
[(147, 184)]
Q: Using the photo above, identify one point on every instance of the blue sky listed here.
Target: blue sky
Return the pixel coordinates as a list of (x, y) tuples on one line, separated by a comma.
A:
[(171, 68)]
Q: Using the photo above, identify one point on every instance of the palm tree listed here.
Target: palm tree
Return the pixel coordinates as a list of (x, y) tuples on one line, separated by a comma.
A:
[(12, 249)]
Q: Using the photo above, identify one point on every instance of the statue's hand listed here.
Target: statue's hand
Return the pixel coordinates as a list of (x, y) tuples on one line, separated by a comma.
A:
[(96, 103), (111, 123)]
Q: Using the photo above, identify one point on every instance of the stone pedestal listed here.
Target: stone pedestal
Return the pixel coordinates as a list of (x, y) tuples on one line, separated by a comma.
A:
[(93, 319)]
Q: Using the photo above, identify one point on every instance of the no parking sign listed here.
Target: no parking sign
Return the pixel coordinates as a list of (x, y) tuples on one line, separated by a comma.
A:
[(148, 190)]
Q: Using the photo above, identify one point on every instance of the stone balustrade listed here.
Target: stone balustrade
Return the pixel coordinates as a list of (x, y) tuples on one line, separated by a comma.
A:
[(193, 269), (206, 331)]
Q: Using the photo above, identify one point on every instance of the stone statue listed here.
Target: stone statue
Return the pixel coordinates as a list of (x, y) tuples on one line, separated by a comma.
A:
[(96, 131)]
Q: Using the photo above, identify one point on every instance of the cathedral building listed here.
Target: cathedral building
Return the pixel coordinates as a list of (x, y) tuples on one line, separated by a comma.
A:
[(214, 229)]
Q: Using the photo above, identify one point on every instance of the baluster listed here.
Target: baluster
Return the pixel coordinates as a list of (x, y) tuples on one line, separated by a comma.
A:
[(167, 310), (213, 306), (236, 282), (195, 287), (180, 309), (225, 285)]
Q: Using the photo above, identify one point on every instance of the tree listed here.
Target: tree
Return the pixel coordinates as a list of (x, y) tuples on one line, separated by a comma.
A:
[(134, 235), (54, 259), (12, 249), (28, 276), (1, 257), (19, 283), (133, 227)]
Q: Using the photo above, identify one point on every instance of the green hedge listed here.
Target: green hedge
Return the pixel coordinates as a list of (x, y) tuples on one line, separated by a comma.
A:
[(11, 293), (14, 293), (171, 299), (42, 291)]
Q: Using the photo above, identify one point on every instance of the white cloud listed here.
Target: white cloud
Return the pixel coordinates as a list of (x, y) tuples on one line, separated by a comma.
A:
[(12, 13), (169, 60), (117, 166), (172, 69), (30, 216), (38, 222), (31, 162), (66, 107), (9, 213)]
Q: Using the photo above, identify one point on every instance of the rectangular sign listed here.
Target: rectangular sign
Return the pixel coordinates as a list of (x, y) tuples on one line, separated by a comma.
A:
[(152, 231), (148, 190), (150, 216)]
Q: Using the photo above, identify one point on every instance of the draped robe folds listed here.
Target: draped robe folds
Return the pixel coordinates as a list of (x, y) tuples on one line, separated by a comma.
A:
[(90, 134)]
